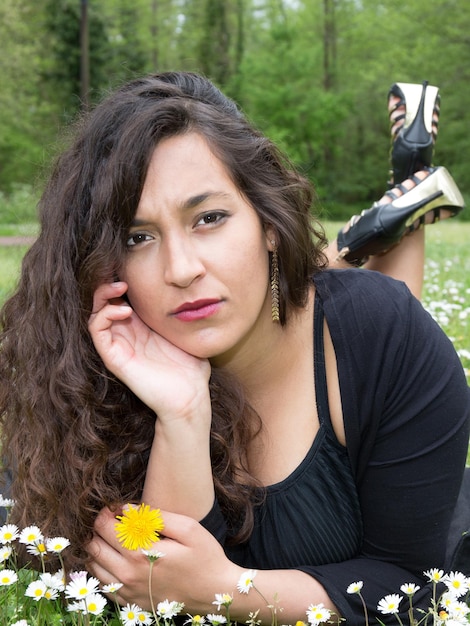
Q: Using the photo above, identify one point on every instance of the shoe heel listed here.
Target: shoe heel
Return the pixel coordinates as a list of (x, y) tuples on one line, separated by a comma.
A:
[(413, 142), (436, 191), (382, 226)]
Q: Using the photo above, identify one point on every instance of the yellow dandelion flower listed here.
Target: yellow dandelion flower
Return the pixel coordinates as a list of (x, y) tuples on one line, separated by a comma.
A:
[(138, 527)]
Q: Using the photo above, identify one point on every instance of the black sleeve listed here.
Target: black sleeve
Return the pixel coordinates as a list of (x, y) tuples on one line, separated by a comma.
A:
[(215, 523), (406, 411)]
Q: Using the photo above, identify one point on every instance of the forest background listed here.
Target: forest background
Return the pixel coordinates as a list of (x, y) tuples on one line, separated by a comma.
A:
[(313, 75)]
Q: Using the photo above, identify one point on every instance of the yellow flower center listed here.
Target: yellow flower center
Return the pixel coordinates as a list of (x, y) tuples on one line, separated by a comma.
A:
[(5, 580), (92, 606), (38, 593), (8, 536), (131, 615), (83, 591)]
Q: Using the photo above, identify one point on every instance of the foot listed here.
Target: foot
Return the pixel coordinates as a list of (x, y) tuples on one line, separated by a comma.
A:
[(426, 197), (414, 118)]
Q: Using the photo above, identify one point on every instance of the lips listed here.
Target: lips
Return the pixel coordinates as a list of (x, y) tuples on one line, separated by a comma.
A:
[(197, 310)]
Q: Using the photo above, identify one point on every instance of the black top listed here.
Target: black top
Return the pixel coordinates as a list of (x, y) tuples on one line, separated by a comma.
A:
[(331, 531), (406, 410)]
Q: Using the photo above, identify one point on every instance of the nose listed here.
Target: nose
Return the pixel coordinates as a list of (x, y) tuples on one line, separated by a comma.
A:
[(182, 263)]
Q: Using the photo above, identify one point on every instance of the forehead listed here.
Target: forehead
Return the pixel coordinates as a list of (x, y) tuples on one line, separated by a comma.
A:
[(183, 167)]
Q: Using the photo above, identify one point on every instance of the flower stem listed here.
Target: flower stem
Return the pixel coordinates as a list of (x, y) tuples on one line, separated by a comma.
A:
[(366, 616), (152, 605)]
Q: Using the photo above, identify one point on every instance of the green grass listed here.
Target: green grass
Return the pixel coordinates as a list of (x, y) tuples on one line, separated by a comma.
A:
[(28, 229), (446, 293), (10, 262)]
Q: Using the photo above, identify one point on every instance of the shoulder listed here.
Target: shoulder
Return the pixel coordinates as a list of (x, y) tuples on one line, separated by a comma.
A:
[(349, 283), (363, 299)]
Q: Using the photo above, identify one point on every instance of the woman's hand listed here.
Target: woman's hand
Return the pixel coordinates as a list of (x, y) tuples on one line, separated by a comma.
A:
[(170, 381), (193, 568)]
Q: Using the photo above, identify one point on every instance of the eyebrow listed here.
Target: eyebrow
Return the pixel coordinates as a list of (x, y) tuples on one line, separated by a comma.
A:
[(190, 203)]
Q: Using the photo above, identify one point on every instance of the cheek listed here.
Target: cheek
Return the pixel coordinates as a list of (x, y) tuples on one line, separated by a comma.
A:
[(140, 284)]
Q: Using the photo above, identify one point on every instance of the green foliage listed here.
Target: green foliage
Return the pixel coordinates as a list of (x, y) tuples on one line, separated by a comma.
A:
[(18, 206), (312, 74)]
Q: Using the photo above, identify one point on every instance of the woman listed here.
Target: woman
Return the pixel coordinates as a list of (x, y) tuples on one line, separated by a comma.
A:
[(179, 273)]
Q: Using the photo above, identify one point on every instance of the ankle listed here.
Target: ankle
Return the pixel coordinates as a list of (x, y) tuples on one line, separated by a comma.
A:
[(398, 190)]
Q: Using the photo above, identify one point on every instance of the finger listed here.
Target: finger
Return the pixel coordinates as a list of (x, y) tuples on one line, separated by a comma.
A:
[(104, 319), (105, 527), (180, 528), (108, 292)]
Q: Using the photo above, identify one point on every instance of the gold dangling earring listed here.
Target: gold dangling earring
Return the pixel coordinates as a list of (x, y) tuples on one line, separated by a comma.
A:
[(274, 284)]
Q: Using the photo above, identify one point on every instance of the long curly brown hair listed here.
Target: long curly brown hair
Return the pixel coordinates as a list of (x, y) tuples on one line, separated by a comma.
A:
[(74, 438)]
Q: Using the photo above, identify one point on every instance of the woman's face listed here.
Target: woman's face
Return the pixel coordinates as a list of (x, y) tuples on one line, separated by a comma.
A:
[(197, 264)]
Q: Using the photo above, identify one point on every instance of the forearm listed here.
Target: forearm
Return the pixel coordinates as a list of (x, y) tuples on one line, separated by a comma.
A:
[(179, 473), (288, 592)]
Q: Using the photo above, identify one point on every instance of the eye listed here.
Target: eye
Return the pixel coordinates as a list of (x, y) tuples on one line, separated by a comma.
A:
[(137, 238), (214, 217)]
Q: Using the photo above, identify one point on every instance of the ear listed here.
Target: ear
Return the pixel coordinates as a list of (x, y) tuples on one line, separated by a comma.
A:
[(271, 237)]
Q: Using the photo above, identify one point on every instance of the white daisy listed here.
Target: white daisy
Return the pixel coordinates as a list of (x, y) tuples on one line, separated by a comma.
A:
[(78, 575), (153, 555), (317, 613), (111, 588), (8, 533), (389, 604), (195, 620), (222, 599), (37, 548), (22, 622), (53, 581), (94, 603), (6, 503), (216, 620), (456, 583), (446, 599), (355, 587), (81, 587), (144, 617), (57, 544), (77, 607), (5, 553), (245, 582), (409, 588), (458, 610), (168, 610), (434, 575), (31, 534), (7, 577), (129, 614), (36, 590)]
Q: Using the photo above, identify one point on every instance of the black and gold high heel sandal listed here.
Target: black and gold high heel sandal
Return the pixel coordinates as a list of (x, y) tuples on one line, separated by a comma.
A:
[(413, 141), (381, 227)]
